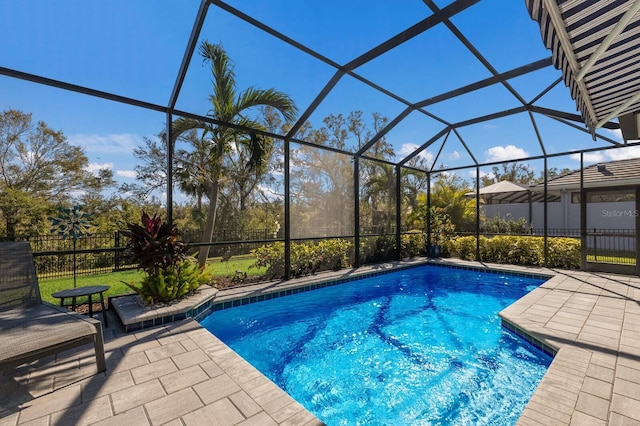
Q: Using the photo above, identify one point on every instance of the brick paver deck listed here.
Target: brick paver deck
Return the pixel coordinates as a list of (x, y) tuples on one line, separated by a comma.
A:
[(179, 374)]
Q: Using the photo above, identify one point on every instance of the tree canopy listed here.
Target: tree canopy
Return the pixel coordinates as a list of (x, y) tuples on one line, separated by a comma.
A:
[(39, 169)]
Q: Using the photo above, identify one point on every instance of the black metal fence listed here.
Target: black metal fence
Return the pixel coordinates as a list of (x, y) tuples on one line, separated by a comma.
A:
[(105, 252), (616, 246), (55, 256)]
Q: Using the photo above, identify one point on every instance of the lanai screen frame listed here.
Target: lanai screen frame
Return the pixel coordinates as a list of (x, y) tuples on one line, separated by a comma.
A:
[(438, 16)]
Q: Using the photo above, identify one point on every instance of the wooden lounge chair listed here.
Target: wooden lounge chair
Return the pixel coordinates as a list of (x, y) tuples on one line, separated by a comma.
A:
[(31, 329)]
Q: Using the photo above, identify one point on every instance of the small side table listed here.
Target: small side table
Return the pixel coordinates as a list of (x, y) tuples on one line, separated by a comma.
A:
[(88, 291)]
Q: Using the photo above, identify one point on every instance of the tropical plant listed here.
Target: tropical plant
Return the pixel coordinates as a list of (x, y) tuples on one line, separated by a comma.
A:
[(229, 106), (154, 244), (157, 249), (164, 285)]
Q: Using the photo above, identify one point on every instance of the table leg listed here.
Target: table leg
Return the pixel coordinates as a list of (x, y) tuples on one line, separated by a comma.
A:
[(104, 311), (73, 304), (62, 302), (90, 307)]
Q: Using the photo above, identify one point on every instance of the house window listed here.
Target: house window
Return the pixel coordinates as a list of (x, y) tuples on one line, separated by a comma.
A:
[(575, 198), (611, 196)]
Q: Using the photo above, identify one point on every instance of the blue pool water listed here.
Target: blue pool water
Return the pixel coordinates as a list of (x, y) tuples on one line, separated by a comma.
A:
[(418, 346)]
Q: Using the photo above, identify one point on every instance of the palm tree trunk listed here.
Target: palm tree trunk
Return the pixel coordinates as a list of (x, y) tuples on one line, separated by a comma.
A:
[(207, 232)]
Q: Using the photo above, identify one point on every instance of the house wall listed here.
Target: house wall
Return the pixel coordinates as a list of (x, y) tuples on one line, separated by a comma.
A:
[(565, 215), (619, 215)]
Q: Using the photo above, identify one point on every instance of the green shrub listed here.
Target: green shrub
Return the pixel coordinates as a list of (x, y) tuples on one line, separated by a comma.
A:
[(376, 249), (463, 247), (564, 253), (527, 251), (519, 250), (306, 258), (335, 254), (413, 244), (270, 256), (497, 248)]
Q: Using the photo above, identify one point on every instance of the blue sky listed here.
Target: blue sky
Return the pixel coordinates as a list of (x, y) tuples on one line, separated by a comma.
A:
[(134, 48)]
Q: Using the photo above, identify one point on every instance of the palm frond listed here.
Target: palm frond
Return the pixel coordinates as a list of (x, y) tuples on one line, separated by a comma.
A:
[(224, 87), (182, 125), (255, 97)]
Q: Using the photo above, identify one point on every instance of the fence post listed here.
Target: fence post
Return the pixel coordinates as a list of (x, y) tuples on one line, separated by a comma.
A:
[(116, 257)]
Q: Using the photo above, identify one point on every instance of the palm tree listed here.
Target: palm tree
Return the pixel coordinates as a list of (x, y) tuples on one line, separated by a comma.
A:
[(448, 193), (380, 188), (228, 106)]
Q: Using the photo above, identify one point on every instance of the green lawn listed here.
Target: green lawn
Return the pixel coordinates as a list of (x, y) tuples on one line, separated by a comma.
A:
[(115, 279), (620, 260)]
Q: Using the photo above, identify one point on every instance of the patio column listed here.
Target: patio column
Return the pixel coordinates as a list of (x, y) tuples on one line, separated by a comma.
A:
[(356, 211), (169, 168), (287, 210), (398, 208), (428, 218), (545, 214), (478, 213)]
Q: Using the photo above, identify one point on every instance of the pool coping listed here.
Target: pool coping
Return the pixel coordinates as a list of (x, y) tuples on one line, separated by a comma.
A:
[(135, 317)]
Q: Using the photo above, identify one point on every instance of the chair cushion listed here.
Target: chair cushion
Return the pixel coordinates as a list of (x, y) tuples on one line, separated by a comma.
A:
[(29, 331)]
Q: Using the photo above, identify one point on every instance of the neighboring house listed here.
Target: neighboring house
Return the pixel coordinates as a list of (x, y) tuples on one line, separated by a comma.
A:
[(610, 195)]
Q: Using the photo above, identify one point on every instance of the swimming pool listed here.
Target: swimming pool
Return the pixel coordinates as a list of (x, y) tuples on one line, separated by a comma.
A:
[(422, 345)]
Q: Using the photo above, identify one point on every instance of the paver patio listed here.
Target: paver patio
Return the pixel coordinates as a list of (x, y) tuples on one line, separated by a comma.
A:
[(180, 374)]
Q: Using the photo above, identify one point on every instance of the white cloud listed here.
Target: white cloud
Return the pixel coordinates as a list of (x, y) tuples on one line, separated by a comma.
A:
[(589, 157), (505, 153), (270, 193), (95, 167), (489, 175), (113, 143), (490, 126), (454, 155), (624, 153), (609, 155), (615, 133), (409, 148), (130, 174)]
